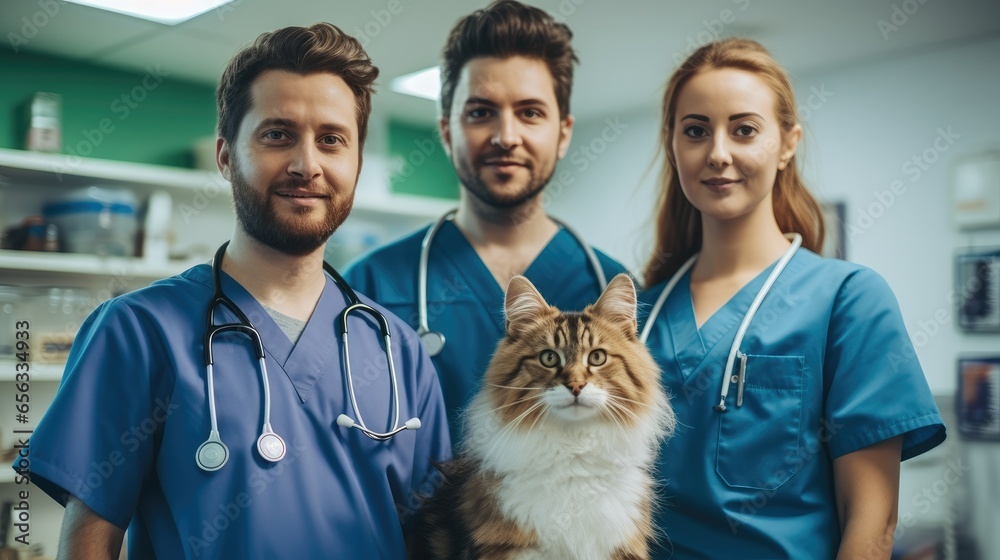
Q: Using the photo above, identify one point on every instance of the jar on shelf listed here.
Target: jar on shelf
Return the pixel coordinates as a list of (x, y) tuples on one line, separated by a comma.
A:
[(56, 315), (9, 316)]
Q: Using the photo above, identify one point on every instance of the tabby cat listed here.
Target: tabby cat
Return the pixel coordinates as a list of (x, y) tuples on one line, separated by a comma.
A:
[(559, 442)]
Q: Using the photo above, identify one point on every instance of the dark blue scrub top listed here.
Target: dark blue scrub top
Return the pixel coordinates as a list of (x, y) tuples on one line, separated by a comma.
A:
[(830, 370), (464, 301), (132, 410)]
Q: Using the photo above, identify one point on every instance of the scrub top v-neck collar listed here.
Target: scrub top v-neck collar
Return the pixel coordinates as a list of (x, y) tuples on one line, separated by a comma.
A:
[(692, 345), (308, 359), (465, 258)]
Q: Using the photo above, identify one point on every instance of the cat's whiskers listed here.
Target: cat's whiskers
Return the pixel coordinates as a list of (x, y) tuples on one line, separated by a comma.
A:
[(508, 429), (510, 387), (519, 401), (621, 398), (621, 408)]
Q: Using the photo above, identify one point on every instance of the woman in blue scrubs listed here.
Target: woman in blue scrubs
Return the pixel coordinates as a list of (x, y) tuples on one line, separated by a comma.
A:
[(796, 388)]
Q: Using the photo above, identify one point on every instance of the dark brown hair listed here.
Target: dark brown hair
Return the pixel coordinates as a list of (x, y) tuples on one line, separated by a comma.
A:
[(304, 50), (504, 29), (678, 223)]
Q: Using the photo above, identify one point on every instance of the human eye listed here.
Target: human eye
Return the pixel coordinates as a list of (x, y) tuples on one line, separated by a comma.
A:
[(477, 113), (533, 113), (274, 135), (746, 130), (695, 131), (332, 140)]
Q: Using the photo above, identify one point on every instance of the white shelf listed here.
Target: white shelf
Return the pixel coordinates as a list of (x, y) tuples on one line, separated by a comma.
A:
[(69, 171), (36, 372), (69, 263)]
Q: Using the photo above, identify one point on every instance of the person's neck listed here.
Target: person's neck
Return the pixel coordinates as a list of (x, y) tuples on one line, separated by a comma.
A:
[(289, 284), (507, 240), (511, 228), (738, 247)]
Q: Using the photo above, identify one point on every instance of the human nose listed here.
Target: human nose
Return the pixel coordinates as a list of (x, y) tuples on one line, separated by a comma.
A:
[(305, 162), (508, 133), (719, 156)]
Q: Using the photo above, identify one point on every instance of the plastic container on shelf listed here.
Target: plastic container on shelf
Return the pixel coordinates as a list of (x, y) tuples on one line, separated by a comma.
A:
[(9, 316), (55, 315), (96, 220)]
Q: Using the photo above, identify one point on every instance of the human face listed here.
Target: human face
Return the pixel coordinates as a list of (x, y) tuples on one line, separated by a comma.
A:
[(295, 161), (728, 144), (504, 134)]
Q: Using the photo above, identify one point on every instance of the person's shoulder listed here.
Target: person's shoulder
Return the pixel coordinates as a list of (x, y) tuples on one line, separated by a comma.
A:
[(610, 265), (180, 293), (392, 254), (852, 282)]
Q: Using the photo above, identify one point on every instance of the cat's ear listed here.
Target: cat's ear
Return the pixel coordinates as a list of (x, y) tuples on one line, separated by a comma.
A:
[(617, 303), (523, 305)]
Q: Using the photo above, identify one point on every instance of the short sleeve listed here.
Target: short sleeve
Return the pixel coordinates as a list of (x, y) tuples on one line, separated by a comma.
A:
[(97, 440), (874, 386)]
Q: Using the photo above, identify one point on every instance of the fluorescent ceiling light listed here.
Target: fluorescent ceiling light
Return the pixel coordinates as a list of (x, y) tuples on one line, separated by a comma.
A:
[(425, 83), (170, 12)]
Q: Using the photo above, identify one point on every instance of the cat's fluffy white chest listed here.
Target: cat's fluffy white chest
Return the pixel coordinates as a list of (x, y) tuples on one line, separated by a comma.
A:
[(581, 490)]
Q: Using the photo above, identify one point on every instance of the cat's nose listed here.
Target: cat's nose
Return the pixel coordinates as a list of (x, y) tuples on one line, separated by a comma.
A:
[(575, 387)]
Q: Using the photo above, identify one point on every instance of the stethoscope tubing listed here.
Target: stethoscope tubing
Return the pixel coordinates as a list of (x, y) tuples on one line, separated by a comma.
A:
[(423, 326), (213, 453), (734, 350)]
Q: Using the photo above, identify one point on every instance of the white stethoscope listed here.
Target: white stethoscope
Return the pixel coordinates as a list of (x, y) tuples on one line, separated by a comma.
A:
[(213, 454), (734, 351), (433, 340)]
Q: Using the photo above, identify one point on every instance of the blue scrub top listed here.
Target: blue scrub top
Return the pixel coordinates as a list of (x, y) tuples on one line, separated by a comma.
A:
[(830, 370), (464, 301), (132, 410)]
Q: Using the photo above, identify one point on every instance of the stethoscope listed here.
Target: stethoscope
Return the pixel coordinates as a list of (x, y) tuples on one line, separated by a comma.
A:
[(213, 453), (734, 351), (433, 340)]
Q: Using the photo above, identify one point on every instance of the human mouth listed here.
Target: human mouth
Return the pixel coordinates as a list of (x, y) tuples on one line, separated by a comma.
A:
[(719, 185), (301, 197)]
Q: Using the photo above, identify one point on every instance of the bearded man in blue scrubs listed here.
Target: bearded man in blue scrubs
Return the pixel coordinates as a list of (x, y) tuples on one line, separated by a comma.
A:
[(118, 446), (505, 89)]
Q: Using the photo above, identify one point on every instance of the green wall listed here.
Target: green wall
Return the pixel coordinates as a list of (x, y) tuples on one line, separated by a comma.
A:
[(150, 117), (424, 169), (147, 117)]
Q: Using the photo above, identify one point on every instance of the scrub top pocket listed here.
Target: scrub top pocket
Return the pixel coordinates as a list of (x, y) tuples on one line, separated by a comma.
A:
[(758, 442)]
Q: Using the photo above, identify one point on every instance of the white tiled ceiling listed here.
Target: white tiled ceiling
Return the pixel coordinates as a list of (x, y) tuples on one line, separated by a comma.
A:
[(626, 47)]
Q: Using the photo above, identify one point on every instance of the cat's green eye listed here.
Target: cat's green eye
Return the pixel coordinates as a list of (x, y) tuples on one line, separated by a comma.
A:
[(597, 357), (549, 358)]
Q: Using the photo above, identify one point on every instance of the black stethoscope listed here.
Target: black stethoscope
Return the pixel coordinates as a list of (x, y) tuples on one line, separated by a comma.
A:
[(213, 454), (433, 340)]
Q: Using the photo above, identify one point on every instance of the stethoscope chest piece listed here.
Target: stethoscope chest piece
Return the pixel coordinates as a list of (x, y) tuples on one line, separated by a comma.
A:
[(433, 341), (212, 455), (270, 446)]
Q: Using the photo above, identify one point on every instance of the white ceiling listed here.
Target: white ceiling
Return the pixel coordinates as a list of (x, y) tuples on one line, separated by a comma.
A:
[(626, 47)]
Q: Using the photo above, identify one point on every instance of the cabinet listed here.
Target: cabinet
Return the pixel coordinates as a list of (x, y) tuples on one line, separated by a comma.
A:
[(199, 218)]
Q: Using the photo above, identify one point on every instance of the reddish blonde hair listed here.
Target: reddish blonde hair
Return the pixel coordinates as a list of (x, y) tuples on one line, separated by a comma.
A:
[(678, 223)]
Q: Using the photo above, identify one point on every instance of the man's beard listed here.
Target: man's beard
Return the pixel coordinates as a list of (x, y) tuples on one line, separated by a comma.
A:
[(256, 215), (471, 178)]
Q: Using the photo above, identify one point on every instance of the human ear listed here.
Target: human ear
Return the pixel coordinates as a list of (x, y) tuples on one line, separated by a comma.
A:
[(565, 134), (222, 157), (445, 133), (789, 141)]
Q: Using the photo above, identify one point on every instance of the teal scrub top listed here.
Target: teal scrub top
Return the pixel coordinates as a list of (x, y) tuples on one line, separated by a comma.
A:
[(464, 301), (830, 370), (132, 409)]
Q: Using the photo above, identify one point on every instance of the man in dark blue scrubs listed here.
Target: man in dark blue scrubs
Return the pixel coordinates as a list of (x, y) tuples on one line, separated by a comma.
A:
[(505, 81), (118, 446)]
